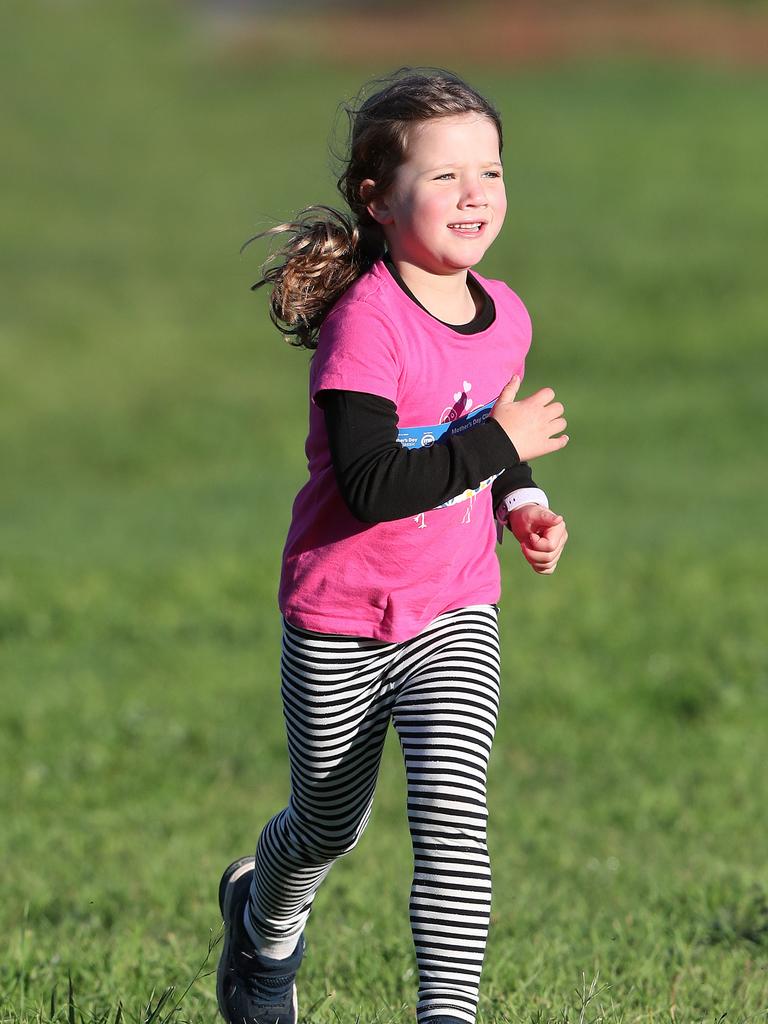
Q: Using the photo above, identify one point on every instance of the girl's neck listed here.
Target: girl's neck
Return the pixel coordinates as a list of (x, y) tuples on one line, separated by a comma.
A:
[(446, 297)]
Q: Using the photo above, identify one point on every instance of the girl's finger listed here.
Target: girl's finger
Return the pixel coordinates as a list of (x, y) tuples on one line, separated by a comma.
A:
[(543, 546), (546, 567), (548, 517), (542, 560), (546, 563), (539, 543), (540, 524), (544, 519), (537, 561)]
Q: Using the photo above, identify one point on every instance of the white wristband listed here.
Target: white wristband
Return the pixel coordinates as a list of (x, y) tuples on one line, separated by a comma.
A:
[(522, 496)]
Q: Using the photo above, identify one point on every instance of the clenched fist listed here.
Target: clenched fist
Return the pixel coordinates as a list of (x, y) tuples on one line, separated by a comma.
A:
[(542, 536)]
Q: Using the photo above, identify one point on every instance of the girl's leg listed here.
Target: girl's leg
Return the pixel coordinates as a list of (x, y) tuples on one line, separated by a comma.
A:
[(337, 706), (446, 705)]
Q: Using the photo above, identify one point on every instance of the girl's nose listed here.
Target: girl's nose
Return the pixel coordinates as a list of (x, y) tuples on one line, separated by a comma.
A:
[(474, 195)]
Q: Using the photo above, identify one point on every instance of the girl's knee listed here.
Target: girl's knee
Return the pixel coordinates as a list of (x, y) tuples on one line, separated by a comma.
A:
[(316, 844)]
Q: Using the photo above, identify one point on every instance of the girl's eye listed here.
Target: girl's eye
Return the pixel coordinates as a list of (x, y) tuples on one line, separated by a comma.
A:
[(450, 174)]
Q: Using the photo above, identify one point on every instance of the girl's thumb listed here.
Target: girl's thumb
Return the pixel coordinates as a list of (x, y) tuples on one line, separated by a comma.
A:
[(512, 388)]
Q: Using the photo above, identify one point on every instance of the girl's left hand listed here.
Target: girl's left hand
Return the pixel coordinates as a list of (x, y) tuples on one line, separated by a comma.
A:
[(542, 536)]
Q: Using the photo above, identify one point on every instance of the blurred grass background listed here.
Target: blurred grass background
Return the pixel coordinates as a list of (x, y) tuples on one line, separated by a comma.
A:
[(151, 433)]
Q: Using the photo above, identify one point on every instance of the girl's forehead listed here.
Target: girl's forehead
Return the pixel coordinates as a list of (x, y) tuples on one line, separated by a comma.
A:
[(446, 134)]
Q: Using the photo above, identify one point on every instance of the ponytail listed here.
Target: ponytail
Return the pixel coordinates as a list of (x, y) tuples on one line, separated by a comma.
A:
[(324, 253)]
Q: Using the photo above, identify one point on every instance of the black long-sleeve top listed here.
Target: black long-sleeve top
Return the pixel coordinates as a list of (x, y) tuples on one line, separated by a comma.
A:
[(380, 480)]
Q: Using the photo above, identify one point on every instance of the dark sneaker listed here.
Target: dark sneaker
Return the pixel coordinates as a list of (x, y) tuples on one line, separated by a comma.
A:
[(251, 989)]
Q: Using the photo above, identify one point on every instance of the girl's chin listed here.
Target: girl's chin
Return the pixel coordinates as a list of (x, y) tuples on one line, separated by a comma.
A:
[(451, 260), (464, 261), (467, 252)]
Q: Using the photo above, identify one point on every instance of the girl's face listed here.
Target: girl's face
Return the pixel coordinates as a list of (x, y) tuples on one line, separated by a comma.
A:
[(447, 202)]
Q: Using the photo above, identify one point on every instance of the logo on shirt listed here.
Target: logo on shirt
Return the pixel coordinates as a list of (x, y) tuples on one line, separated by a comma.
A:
[(462, 403)]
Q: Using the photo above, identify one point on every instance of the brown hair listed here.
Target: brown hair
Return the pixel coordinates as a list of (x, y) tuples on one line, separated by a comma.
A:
[(327, 250)]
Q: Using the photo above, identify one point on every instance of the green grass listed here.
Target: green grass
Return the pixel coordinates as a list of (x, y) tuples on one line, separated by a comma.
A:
[(151, 431)]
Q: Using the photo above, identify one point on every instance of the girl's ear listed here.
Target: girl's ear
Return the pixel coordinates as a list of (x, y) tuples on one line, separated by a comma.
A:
[(376, 205)]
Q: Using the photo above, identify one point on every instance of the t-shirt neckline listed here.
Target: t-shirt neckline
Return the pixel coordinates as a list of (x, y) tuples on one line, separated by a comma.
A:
[(480, 322)]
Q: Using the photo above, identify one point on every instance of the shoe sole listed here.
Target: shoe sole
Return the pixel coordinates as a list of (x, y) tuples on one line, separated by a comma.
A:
[(227, 887)]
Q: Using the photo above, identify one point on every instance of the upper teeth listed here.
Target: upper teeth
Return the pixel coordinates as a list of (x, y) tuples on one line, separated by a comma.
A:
[(467, 227)]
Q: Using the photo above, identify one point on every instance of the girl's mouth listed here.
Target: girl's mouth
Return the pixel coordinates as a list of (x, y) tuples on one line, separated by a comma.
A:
[(468, 227)]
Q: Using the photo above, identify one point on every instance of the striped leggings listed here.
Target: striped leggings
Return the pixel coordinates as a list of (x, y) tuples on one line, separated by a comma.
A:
[(339, 692)]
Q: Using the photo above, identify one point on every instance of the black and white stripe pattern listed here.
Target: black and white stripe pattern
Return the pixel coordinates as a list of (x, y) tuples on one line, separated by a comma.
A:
[(441, 691)]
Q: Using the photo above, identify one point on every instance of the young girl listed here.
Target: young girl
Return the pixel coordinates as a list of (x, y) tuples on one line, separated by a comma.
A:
[(417, 446)]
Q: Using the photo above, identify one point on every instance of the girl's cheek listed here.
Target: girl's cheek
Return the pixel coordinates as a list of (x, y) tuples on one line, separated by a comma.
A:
[(501, 210)]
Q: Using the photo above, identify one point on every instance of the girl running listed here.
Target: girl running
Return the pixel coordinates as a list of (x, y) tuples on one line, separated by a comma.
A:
[(418, 450)]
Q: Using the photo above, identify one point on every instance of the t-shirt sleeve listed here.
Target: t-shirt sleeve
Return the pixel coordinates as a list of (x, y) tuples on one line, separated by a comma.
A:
[(518, 310), (358, 349)]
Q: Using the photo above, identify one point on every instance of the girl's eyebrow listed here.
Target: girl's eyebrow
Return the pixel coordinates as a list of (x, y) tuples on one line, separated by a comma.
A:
[(441, 167)]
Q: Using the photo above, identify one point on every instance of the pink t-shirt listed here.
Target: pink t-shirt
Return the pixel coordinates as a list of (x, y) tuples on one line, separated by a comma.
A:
[(389, 580)]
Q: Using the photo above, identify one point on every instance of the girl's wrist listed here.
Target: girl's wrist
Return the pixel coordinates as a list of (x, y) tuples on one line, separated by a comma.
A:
[(517, 499)]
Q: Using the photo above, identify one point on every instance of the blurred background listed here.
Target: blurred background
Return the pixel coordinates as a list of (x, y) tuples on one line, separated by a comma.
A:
[(152, 424)]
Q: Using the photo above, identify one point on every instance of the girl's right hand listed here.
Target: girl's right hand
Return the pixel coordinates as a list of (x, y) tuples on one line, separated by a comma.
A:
[(532, 422)]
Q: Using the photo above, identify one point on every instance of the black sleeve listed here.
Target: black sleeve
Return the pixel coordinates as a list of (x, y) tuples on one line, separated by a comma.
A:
[(510, 480), (381, 481)]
